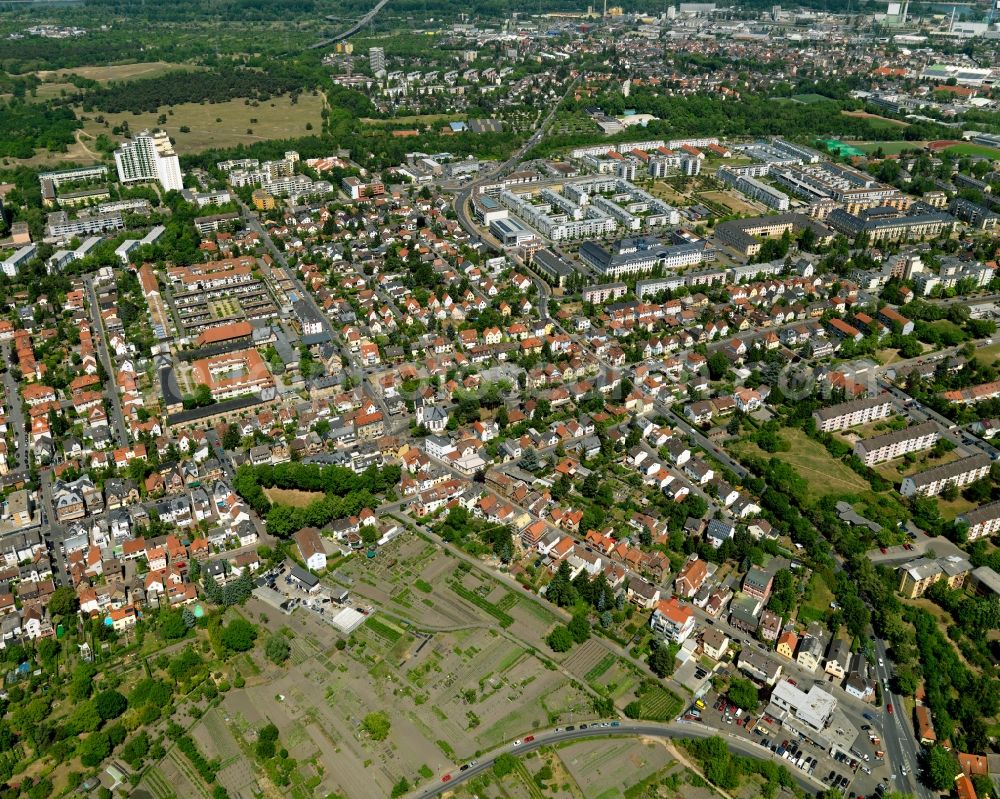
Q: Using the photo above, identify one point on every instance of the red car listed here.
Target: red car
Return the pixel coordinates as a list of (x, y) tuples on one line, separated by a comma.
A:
[(883, 550), (889, 708), (529, 738), (446, 777)]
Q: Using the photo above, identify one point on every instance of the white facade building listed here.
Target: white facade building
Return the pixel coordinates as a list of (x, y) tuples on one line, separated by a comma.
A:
[(148, 157)]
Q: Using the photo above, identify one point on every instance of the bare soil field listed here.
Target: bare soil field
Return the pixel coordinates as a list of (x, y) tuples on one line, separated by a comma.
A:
[(106, 74)]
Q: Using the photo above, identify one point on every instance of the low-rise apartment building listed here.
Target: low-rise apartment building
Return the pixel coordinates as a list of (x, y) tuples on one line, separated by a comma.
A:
[(959, 473), (983, 521), (852, 413), (897, 443)]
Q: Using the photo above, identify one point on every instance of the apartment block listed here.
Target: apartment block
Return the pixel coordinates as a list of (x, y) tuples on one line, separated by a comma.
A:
[(983, 521), (898, 443), (916, 576), (149, 157), (959, 473), (852, 413)]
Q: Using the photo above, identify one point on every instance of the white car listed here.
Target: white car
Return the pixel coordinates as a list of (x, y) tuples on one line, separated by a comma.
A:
[(881, 663), (517, 742)]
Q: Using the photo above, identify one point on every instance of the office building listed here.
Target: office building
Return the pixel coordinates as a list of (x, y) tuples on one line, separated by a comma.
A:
[(149, 157)]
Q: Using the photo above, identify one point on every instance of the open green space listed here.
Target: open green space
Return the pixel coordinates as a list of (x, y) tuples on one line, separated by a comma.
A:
[(808, 99), (216, 125), (815, 600), (814, 464), (971, 149)]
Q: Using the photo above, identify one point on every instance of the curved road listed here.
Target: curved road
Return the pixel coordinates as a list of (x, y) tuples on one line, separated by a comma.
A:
[(353, 29), (675, 729)]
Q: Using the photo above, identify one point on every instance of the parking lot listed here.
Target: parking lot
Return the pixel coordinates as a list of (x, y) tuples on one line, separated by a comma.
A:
[(838, 771)]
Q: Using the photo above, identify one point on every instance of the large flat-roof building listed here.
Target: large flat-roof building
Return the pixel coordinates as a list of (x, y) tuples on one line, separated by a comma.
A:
[(640, 256), (814, 708), (889, 228), (744, 235)]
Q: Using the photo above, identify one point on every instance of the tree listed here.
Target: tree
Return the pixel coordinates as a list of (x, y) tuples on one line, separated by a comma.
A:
[(743, 693), (718, 365), (172, 625), (277, 649), (560, 639), (239, 635), (940, 768), (400, 788), (63, 602), (504, 765), (231, 438), (377, 725), (94, 749), (579, 628), (267, 742), (662, 659), (110, 704)]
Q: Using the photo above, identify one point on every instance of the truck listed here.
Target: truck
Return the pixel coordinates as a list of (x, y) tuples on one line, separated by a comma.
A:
[(879, 754), (875, 740)]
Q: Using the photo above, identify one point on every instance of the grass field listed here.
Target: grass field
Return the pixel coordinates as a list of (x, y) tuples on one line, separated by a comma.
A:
[(890, 147), (816, 600), (667, 192), (223, 124), (988, 354), (808, 99), (975, 150), (292, 496), (813, 463)]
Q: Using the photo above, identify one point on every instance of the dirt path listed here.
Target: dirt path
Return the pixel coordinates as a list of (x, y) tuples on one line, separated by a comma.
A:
[(86, 149), (684, 760)]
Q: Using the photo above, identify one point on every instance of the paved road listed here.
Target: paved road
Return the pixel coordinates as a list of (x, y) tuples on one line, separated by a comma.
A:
[(463, 197), (110, 387), (675, 729), (353, 29), (53, 532), (900, 744), (17, 420), (701, 439)]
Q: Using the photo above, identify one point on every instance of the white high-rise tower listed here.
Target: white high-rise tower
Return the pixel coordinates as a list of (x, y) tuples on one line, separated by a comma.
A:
[(148, 157)]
